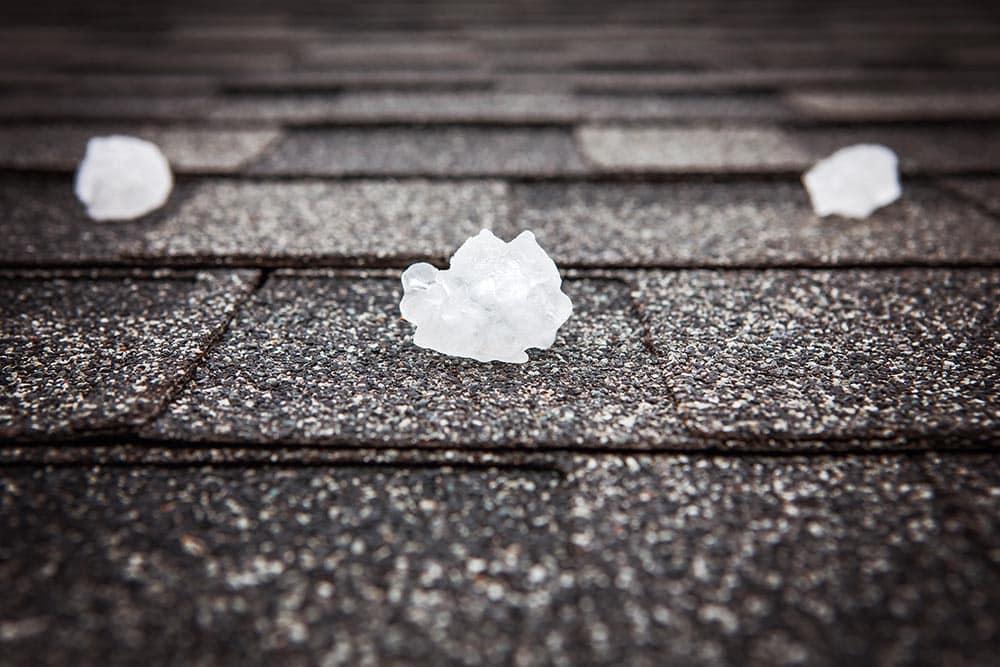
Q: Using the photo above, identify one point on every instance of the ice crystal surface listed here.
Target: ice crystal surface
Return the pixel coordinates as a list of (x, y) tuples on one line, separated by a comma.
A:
[(854, 181), (496, 300), (122, 178)]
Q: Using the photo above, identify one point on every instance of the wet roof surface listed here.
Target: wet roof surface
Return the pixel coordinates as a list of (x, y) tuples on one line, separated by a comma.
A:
[(762, 438)]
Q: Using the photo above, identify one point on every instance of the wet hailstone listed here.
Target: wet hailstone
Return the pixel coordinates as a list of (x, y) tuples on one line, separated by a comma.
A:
[(496, 300), (854, 181), (122, 178)]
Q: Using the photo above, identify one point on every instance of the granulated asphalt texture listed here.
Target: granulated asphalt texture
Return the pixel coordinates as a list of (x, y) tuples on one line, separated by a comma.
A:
[(763, 438)]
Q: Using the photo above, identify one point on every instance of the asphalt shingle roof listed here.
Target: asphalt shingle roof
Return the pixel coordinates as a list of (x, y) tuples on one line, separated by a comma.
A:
[(762, 437)]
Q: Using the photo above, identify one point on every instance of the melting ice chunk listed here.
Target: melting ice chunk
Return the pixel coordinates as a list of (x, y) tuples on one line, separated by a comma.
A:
[(122, 178), (496, 300), (854, 181)]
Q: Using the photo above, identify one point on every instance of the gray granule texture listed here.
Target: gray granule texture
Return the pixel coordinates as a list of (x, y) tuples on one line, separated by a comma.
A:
[(189, 149), (869, 106), (489, 107), (931, 150), (347, 222), (635, 560), (101, 352), (308, 566), (424, 152), (682, 149), (33, 107), (320, 359), (745, 224), (45, 224), (330, 81), (787, 560), (830, 354), (984, 190), (728, 149)]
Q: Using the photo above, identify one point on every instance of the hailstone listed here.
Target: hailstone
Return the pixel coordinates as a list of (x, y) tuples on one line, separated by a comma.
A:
[(496, 300), (854, 181), (122, 178)]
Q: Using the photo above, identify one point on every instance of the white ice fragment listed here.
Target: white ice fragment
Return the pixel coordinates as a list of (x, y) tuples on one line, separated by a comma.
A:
[(122, 178), (854, 181), (496, 300)]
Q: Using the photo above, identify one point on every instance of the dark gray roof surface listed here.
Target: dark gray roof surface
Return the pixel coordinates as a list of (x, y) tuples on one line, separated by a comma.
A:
[(614, 559), (762, 438)]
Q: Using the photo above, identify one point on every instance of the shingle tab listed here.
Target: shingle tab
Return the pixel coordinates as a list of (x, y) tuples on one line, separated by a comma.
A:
[(625, 560), (487, 107), (897, 106), (423, 152), (43, 223), (691, 149), (756, 223), (926, 150), (768, 561), (325, 81), (96, 84), (198, 150), (426, 567), (766, 149), (356, 223), (100, 352), (104, 107), (791, 355), (984, 190), (737, 79), (323, 359)]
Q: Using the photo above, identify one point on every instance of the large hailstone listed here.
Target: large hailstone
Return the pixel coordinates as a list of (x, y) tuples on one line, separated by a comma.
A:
[(496, 300), (854, 181), (122, 178)]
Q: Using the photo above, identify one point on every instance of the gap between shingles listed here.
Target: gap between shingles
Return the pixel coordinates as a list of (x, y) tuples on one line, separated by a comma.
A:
[(558, 461), (211, 343), (943, 186)]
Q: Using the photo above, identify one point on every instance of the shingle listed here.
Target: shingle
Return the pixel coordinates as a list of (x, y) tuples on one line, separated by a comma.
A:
[(97, 352), (323, 81), (691, 149), (785, 356), (423, 152), (635, 560), (897, 106), (322, 359), (804, 560), (758, 223), (984, 190), (108, 84), (35, 107), (136, 59), (768, 79), (394, 50), (766, 149), (277, 108), (489, 107), (944, 149), (298, 566), (43, 223), (199, 150), (355, 222)]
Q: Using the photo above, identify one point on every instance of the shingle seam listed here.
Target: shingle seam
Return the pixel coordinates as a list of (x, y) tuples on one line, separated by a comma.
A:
[(127, 452), (944, 186), (210, 344)]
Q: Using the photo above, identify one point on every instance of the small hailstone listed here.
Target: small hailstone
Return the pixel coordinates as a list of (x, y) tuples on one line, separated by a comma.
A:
[(496, 300), (122, 178), (854, 181)]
